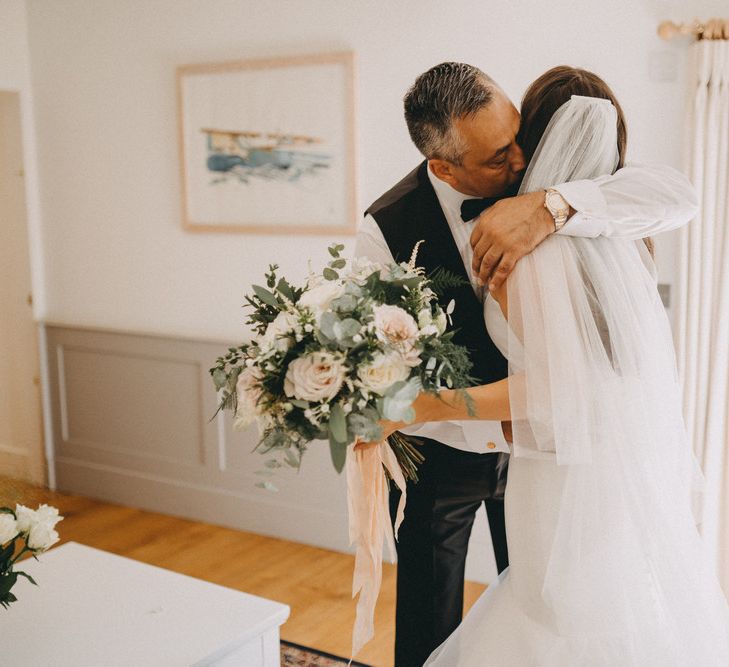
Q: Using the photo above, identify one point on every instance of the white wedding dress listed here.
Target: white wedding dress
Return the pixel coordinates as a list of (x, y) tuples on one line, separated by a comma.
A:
[(602, 503)]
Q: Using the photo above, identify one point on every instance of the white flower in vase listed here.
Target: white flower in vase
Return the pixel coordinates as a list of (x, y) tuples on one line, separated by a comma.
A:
[(8, 527)]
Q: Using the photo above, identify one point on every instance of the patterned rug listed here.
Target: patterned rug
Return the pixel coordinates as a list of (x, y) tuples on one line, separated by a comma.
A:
[(294, 655)]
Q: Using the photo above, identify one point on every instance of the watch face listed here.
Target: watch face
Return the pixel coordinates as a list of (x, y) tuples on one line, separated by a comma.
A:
[(556, 202)]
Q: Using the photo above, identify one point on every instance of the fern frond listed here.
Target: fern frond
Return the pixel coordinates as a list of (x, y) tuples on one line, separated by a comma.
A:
[(441, 280)]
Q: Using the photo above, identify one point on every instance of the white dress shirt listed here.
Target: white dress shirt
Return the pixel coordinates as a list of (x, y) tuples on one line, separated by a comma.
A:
[(635, 202)]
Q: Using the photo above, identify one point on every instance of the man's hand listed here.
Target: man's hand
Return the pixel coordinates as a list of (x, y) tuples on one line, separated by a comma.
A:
[(506, 232)]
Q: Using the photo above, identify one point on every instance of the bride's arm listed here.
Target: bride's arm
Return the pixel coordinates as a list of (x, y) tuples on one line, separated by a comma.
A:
[(488, 402)]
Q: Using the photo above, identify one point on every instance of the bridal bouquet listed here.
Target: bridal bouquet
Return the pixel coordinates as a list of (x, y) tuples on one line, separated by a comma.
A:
[(329, 359), (34, 528)]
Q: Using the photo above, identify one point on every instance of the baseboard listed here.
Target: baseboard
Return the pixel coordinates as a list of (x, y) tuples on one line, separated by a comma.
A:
[(216, 506), (14, 462), (238, 510)]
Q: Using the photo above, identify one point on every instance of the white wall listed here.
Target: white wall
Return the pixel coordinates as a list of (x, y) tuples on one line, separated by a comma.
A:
[(103, 79)]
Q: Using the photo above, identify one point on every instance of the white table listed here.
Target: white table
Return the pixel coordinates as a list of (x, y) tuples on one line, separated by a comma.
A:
[(95, 608)]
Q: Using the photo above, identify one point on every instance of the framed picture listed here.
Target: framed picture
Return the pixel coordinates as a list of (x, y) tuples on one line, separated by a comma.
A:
[(267, 146)]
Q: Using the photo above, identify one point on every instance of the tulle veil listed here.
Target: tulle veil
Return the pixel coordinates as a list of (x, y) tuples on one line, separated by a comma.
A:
[(595, 388)]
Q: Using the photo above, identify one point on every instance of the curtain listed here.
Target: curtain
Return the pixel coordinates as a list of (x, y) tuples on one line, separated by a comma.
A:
[(703, 318)]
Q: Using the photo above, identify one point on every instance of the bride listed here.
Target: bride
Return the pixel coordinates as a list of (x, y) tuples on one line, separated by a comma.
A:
[(604, 495)]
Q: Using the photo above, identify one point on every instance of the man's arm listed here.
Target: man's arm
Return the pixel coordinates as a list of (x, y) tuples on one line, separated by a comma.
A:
[(635, 202), (371, 243)]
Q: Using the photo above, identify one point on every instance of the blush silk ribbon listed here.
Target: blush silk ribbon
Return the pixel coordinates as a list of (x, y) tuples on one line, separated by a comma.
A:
[(370, 527)]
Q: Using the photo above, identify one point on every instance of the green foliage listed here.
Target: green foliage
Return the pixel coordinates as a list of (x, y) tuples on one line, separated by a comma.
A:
[(441, 281)]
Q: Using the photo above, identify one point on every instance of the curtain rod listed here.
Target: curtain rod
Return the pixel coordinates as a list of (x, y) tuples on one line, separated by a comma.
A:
[(711, 29)]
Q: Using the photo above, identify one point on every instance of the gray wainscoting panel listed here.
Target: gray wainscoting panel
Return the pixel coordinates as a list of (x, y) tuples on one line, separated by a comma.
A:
[(131, 421), (144, 405)]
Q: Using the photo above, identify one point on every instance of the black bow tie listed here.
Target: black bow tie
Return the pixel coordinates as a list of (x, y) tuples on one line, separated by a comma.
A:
[(470, 208)]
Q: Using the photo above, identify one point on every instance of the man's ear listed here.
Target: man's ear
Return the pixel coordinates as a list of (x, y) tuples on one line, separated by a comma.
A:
[(442, 170)]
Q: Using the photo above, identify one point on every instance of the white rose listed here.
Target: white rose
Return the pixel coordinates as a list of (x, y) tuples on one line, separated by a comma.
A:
[(395, 325), (384, 371), (8, 527), (42, 537), (315, 377), (25, 518), (441, 322), (38, 525), (248, 390), (279, 331), (47, 515), (319, 298)]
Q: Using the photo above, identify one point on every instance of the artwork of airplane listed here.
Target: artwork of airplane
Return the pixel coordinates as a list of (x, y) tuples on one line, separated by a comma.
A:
[(242, 155)]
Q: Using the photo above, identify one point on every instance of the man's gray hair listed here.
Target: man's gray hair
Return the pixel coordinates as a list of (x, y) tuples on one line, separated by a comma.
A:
[(438, 97)]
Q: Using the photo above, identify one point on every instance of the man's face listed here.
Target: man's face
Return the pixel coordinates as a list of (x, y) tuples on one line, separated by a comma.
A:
[(492, 162)]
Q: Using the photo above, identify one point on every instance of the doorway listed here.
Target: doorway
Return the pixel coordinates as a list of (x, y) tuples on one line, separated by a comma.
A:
[(22, 453)]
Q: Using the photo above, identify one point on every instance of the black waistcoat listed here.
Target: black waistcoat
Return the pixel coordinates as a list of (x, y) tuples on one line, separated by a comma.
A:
[(410, 212)]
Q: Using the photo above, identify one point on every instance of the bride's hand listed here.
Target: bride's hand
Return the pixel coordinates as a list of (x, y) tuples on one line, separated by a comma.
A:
[(388, 428)]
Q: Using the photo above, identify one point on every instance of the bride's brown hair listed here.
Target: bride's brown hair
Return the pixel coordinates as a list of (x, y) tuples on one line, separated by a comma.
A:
[(549, 92)]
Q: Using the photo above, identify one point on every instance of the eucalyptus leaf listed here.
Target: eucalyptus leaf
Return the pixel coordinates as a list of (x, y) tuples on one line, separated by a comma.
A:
[(329, 274), (398, 402), (268, 486), (327, 325), (292, 458), (365, 426), (353, 289), (338, 453), (285, 289), (220, 378), (338, 424), (346, 302), (267, 297), (344, 331)]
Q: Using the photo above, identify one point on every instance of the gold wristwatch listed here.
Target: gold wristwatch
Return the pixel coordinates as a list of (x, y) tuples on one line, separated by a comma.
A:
[(558, 208)]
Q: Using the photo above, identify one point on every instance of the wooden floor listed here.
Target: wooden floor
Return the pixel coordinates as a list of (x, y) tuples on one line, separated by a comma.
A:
[(315, 583)]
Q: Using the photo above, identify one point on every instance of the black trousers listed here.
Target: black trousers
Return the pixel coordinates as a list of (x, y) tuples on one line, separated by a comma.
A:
[(432, 545)]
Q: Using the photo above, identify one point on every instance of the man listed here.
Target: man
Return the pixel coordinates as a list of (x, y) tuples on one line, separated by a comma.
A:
[(466, 128)]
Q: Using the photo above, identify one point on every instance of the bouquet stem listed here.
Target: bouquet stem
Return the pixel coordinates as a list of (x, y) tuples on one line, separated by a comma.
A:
[(407, 454)]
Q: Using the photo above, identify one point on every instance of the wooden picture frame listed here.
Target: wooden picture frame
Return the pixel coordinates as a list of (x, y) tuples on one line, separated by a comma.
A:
[(267, 146)]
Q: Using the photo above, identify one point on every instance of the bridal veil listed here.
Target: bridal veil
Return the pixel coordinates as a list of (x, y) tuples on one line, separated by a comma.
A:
[(594, 390), (590, 342)]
